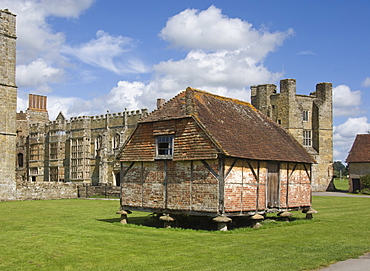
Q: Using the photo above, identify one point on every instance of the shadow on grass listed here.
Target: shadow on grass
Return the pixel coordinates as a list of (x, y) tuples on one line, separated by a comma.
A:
[(141, 220), (206, 223)]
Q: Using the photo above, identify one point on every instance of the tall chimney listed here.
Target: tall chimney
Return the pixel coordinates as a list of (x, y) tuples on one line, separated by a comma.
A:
[(160, 102), (37, 102)]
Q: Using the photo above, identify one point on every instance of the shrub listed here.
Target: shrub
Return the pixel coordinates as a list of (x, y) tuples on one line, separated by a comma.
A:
[(365, 184)]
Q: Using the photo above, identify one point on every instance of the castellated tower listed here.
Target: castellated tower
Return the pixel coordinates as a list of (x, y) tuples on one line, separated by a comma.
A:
[(8, 104), (308, 118)]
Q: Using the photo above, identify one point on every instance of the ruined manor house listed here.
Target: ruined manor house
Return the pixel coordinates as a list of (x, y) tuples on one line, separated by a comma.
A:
[(309, 118), (80, 150), (43, 154)]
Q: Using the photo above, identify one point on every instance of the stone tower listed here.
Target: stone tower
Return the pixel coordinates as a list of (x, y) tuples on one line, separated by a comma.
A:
[(8, 104), (308, 118)]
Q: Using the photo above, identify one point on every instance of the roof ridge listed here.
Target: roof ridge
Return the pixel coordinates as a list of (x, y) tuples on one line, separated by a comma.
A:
[(221, 97), (163, 105)]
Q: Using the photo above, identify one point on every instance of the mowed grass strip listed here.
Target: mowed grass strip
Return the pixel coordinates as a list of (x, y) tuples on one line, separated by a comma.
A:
[(341, 184), (86, 235)]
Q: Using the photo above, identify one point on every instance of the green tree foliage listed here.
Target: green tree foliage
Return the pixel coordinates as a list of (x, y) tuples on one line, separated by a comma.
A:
[(338, 167), (365, 184)]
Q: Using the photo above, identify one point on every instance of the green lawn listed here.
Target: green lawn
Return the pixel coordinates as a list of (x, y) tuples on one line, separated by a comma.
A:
[(86, 235), (341, 184)]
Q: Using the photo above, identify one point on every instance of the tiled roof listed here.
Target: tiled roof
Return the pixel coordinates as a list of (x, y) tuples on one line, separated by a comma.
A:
[(236, 127), (360, 151)]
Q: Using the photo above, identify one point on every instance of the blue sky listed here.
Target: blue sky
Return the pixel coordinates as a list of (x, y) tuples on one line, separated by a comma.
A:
[(90, 56)]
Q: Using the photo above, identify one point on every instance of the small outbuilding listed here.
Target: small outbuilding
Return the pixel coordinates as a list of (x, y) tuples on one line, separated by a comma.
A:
[(358, 161), (206, 155)]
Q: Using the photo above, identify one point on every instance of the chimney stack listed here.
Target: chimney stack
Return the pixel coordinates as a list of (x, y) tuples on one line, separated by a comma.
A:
[(36, 102), (160, 102)]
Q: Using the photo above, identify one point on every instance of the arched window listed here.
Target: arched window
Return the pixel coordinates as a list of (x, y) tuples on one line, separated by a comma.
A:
[(20, 159)]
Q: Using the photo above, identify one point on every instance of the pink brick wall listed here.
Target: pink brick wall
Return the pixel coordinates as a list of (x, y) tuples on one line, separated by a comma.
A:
[(191, 187)]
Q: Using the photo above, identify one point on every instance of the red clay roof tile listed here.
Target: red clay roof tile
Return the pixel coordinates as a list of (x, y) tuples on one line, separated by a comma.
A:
[(360, 151), (236, 127)]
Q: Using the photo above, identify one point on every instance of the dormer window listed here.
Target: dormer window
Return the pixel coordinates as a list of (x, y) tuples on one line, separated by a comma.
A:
[(164, 147)]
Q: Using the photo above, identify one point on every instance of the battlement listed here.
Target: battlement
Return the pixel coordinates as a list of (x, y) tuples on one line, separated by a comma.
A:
[(260, 93)]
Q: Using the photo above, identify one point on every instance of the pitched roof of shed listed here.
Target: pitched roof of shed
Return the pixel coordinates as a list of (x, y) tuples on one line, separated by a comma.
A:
[(360, 151), (237, 128)]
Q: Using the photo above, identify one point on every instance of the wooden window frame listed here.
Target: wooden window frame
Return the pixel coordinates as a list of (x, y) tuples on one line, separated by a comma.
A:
[(307, 138), (164, 147)]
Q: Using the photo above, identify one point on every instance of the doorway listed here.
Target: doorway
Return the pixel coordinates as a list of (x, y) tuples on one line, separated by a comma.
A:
[(356, 185), (118, 179), (272, 185)]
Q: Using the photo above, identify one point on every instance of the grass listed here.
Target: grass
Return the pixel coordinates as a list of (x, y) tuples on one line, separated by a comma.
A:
[(341, 184), (86, 235)]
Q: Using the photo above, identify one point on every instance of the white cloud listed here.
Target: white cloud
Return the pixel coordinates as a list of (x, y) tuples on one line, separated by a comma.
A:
[(229, 69), (67, 105), (225, 55), (210, 30), (213, 62), (346, 102), (36, 38), (366, 82), (38, 74), (69, 8), (307, 52), (345, 133), (108, 52), (39, 62)]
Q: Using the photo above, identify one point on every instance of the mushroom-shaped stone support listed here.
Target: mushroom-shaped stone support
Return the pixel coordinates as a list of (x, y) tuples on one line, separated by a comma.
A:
[(166, 220), (123, 214), (285, 216), (310, 212), (222, 222), (256, 220)]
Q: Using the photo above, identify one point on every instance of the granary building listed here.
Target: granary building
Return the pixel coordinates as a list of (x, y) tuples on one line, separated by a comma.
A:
[(207, 155)]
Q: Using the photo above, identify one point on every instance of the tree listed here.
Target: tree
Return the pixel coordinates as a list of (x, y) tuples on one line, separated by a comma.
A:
[(340, 169), (365, 184)]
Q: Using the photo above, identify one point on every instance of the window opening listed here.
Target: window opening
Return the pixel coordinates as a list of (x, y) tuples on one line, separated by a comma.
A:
[(307, 138), (305, 114), (20, 159), (165, 146)]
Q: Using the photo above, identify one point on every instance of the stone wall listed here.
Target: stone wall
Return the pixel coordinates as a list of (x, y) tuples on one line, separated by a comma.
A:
[(8, 103), (45, 190), (107, 191)]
